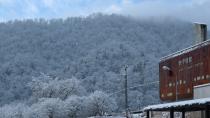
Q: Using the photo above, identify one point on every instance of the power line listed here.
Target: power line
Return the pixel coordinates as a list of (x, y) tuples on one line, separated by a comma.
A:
[(134, 87)]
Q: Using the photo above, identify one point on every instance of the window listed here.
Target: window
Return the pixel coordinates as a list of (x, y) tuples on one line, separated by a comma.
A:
[(186, 60), (170, 94), (180, 63), (198, 78), (170, 84), (207, 76), (180, 82), (188, 90), (190, 59)]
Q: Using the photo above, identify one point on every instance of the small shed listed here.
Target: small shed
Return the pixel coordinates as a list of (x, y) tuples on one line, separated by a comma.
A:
[(182, 106)]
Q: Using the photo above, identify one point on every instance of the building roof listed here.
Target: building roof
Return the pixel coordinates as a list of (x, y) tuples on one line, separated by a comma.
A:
[(188, 105), (186, 50)]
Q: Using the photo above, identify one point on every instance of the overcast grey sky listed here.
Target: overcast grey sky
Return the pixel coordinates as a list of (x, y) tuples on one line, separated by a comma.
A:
[(191, 10)]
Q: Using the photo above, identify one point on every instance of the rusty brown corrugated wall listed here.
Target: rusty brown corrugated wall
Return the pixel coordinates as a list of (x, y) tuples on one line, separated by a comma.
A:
[(186, 70), (179, 74)]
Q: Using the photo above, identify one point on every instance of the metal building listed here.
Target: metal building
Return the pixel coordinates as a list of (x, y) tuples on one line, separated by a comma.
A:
[(181, 71)]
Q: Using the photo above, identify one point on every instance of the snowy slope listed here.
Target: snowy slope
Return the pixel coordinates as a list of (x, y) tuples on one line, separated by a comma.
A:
[(93, 49)]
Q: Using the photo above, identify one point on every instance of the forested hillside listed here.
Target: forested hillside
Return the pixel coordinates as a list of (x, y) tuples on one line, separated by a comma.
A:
[(94, 50)]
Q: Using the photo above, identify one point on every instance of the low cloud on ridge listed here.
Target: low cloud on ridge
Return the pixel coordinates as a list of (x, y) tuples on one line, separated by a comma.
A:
[(190, 10)]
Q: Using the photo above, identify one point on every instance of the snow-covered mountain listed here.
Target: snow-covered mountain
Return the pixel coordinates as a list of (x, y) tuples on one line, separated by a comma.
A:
[(94, 49)]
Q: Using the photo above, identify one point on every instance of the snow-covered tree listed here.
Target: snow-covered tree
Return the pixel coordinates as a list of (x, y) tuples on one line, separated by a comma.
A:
[(99, 103), (13, 111), (45, 86), (46, 108), (75, 106)]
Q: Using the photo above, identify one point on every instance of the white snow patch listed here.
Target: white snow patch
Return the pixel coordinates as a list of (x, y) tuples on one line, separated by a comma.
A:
[(202, 85)]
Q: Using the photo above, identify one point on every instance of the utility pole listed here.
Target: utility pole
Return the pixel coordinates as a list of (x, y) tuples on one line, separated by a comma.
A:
[(143, 82), (176, 89), (126, 92)]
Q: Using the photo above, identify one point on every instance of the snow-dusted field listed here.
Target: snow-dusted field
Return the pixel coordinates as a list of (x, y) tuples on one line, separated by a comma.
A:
[(132, 116)]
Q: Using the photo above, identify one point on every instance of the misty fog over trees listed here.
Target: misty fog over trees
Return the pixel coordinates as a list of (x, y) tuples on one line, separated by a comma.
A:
[(74, 67)]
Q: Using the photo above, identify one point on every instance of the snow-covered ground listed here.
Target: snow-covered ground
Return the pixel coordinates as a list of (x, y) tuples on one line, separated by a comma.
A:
[(115, 116), (131, 116)]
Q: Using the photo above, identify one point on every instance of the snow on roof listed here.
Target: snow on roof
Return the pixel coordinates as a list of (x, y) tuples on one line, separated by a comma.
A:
[(199, 23), (202, 85), (177, 104), (186, 50)]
